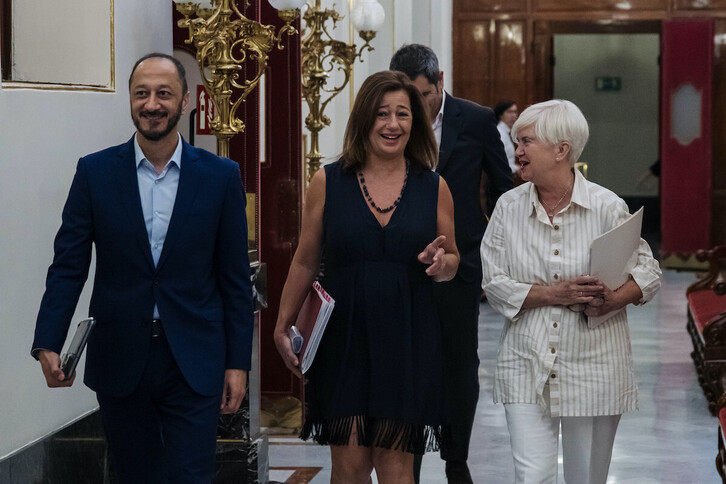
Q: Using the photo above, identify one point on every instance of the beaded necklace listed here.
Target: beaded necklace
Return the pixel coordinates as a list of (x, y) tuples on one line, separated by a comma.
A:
[(370, 200)]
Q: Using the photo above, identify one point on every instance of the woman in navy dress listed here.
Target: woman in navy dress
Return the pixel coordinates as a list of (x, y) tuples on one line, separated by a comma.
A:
[(383, 221)]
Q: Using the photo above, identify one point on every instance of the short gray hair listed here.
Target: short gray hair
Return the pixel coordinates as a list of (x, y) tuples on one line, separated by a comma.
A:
[(556, 121)]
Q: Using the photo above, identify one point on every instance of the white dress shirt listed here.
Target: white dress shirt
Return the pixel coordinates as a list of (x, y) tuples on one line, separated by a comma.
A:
[(589, 371), (505, 134), (158, 194), (439, 121)]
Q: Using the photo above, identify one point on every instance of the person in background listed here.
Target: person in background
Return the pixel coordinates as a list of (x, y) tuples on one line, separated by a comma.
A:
[(506, 113), (554, 372), (384, 223), (469, 147), (172, 296)]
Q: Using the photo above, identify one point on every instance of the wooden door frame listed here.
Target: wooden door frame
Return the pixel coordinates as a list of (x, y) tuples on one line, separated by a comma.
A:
[(543, 32), (543, 45), (6, 39)]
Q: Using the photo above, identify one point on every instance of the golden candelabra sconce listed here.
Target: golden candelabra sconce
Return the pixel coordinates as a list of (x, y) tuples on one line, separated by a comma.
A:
[(321, 54), (224, 39)]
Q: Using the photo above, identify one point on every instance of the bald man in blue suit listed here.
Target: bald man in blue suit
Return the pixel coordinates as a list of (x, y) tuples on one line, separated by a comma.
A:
[(171, 295)]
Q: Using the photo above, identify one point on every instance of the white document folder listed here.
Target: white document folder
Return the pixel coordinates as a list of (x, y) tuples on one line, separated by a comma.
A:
[(613, 255)]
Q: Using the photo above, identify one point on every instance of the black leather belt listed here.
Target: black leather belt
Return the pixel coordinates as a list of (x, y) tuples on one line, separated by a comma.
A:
[(156, 328)]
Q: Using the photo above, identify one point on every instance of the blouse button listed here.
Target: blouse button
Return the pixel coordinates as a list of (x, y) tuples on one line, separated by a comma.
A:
[(554, 325), (557, 227), (557, 252), (553, 350), (553, 376), (557, 276)]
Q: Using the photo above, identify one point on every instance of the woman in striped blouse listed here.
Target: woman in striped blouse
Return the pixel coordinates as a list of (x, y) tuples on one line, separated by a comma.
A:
[(552, 369)]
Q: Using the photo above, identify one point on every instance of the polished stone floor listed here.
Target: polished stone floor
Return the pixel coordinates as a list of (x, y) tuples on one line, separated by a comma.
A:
[(671, 439)]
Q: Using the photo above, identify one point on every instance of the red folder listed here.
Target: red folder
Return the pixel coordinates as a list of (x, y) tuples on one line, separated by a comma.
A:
[(311, 322)]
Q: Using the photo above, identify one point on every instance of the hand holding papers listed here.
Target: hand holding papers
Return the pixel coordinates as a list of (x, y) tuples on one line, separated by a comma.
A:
[(311, 321), (613, 256)]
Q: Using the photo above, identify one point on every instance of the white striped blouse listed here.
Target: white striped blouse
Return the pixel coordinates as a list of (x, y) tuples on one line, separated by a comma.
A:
[(589, 371)]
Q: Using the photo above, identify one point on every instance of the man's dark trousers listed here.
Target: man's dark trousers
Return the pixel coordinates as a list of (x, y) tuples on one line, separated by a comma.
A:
[(470, 145), (149, 431), (458, 305)]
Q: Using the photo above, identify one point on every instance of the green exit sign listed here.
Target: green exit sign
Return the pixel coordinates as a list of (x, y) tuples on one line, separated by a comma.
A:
[(608, 83)]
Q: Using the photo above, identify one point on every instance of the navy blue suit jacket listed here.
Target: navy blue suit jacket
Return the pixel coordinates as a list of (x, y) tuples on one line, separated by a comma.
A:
[(470, 144), (201, 283)]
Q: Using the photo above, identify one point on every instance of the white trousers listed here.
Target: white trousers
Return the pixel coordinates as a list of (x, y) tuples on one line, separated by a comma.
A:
[(587, 445)]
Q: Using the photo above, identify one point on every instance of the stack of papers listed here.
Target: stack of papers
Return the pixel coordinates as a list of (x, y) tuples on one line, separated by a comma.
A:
[(613, 255)]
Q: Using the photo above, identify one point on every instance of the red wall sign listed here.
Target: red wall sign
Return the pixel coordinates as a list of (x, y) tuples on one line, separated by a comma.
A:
[(205, 111)]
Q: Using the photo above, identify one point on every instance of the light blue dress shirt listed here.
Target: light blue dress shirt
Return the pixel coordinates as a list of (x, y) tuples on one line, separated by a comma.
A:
[(158, 193)]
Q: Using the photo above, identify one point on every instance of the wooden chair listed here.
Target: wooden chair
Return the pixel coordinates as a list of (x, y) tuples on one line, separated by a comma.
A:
[(707, 324)]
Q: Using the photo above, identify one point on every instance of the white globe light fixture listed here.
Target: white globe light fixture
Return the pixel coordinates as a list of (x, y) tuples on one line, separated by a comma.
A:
[(367, 16), (287, 4)]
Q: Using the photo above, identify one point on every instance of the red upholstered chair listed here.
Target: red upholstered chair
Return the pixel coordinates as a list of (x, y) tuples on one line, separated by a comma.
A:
[(714, 279), (707, 324)]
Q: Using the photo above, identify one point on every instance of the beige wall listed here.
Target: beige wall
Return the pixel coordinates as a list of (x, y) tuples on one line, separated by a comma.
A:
[(42, 135)]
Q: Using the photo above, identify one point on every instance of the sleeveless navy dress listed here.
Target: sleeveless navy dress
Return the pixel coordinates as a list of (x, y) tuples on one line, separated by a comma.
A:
[(378, 369)]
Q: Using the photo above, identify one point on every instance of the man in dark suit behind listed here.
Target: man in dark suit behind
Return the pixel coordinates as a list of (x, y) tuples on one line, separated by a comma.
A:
[(171, 295), (469, 144)]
